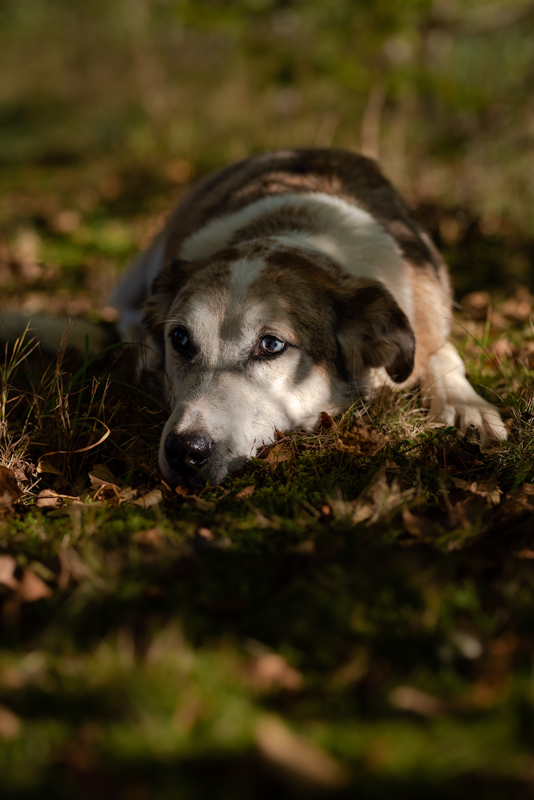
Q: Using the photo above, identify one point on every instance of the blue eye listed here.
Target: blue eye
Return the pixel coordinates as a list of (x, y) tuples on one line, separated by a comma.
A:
[(271, 346), (180, 339)]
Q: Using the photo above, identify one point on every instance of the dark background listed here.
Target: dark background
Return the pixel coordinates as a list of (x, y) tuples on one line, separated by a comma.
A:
[(116, 104)]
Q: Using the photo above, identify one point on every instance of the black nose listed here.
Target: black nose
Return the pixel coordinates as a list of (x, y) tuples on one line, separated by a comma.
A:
[(187, 450)]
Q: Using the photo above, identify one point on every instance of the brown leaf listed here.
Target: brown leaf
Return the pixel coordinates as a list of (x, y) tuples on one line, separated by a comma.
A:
[(489, 491), (32, 588), (277, 743), (113, 491), (49, 499), (476, 304), (108, 492), (375, 502), (44, 466), (101, 474), (306, 547), (9, 488), (407, 698), (271, 671), (248, 491), (9, 724), (527, 552), (517, 504), (151, 498), (503, 349), (182, 491), (279, 453), (151, 537), (200, 504), (519, 307), (8, 566), (421, 527), (362, 441), (326, 420)]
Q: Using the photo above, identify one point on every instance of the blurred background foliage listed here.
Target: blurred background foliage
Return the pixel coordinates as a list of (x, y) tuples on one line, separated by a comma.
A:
[(138, 97)]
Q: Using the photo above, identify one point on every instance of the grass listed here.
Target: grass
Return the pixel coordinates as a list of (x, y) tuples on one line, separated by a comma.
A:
[(350, 612), (351, 615)]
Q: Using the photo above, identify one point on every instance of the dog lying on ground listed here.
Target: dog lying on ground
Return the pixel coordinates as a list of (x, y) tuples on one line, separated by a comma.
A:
[(283, 286)]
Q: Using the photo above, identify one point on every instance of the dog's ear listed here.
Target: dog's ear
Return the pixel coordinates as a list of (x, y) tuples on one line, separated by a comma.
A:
[(165, 287), (373, 331)]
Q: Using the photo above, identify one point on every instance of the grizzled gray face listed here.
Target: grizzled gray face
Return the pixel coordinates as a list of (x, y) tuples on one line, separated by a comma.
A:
[(252, 347)]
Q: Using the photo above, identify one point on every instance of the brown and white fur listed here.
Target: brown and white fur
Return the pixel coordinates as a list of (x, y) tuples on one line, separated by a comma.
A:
[(315, 250)]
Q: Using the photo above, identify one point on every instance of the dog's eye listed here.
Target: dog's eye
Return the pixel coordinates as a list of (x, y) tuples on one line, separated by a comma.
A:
[(271, 346), (180, 339)]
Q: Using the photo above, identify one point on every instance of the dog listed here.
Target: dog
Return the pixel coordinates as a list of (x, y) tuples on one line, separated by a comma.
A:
[(285, 285)]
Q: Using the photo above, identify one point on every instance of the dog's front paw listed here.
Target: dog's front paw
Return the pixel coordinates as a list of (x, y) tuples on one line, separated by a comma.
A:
[(482, 415)]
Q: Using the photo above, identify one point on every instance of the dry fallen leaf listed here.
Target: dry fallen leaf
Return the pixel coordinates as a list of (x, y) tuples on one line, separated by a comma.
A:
[(151, 537), (32, 587), (489, 491), (248, 491), (9, 724), (304, 760), (49, 499), (407, 698), (375, 502), (113, 490), (271, 671), (502, 348), (279, 453), (8, 566), (326, 420), (306, 547), (9, 488), (101, 474), (475, 305), (527, 552), (44, 466), (151, 498), (362, 441), (199, 503), (519, 307), (421, 527), (517, 504)]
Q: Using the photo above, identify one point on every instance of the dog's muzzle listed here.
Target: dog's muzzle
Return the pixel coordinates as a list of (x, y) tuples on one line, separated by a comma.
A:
[(187, 455)]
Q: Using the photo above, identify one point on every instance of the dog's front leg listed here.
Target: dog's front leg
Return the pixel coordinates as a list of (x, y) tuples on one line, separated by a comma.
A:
[(452, 399)]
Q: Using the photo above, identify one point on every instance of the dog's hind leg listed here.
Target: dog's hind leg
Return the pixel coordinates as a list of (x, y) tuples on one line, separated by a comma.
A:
[(79, 334), (452, 399), (134, 288)]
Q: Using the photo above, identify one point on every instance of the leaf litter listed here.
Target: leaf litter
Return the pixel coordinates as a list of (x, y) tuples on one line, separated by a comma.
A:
[(300, 573)]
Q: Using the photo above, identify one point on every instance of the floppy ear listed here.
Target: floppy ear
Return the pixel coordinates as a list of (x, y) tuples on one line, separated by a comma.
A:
[(375, 332), (165, 287)]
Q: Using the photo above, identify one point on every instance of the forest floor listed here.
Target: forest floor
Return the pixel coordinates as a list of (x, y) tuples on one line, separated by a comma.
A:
[(351, 614)]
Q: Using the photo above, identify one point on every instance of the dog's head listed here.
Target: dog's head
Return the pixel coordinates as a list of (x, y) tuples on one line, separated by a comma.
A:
[(262, 337)]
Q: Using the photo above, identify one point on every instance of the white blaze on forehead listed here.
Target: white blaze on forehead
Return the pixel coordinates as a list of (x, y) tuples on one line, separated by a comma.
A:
[(222, 324), (246, 316), (345, 232), (243, 273)]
